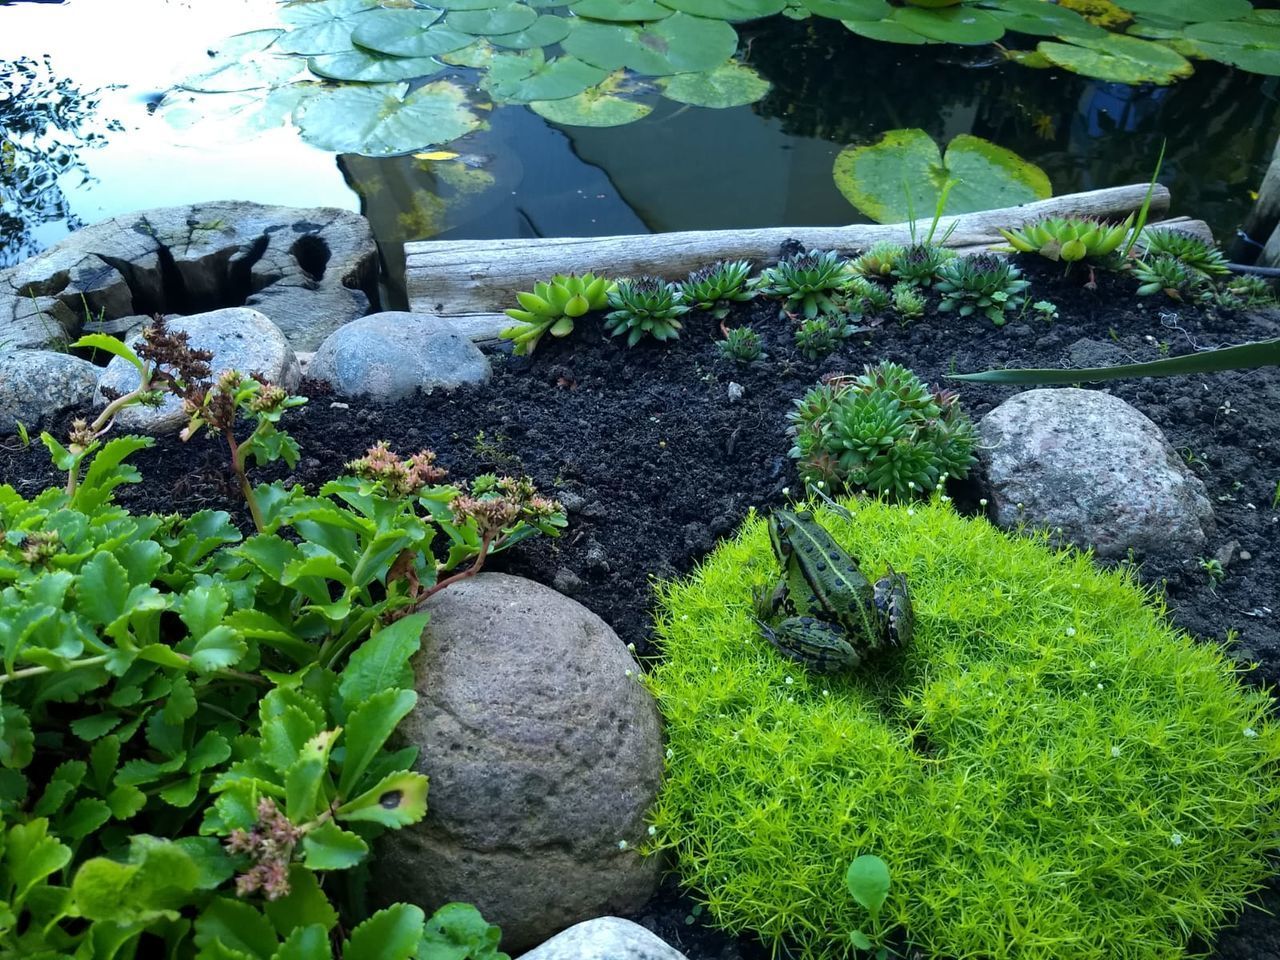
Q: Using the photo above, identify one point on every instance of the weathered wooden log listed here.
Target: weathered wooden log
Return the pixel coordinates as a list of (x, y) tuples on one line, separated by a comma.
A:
[(469, 282)]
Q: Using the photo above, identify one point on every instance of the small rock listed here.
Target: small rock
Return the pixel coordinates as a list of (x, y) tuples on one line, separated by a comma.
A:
[(1245, 555), (572, 502), (566, 581), (735, 392), (339, 405), (1226, 553), (38, 385), (605, 938), (597, 559)]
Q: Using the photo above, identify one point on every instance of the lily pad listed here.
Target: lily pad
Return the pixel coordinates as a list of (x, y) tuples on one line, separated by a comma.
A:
[(407, 33), (951, 24), (1240, 33), (1040, 19), (727, 9), (1118, 58), (679, 44), (509, 18), (903, 174), (1264, 60), (1191, 11), (381, 121), (543, 32), (886, 31), (627, 11), (598, 107), (322, 27), (251, 73), (243, 44), (728, 85), (850, 9), (363, 66), (555, 79)]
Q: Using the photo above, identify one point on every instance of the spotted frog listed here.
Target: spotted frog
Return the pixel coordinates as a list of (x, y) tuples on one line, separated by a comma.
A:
[(823, 612)]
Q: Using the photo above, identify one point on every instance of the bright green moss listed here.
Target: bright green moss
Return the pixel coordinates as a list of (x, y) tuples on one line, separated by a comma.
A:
[(1050, 770)]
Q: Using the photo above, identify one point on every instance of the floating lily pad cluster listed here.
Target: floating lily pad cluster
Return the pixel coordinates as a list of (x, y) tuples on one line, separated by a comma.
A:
[(603, 62)]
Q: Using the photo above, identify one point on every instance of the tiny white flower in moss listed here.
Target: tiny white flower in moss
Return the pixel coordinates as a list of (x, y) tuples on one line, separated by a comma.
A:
[(1099, 685), (827, 693), (1250, 732), (653, 831), (786, 491), (631, 647), (1176, 839), (788, 681), (1071, 631), (791, 699), (1075, 586), (1093, 664), (715, 668), (623, 845), (671, 754), (910, 512), (945, 498), (911, 484), (821, 484), (982, 502), (1020, 506), (684, 616), (1115, 751), (627, 673)]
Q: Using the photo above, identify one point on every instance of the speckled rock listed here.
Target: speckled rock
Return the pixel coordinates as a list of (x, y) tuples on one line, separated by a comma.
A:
[(544, 753), (605, 938), (1090, 464), (240, 339), (37, 385), (390, 355)]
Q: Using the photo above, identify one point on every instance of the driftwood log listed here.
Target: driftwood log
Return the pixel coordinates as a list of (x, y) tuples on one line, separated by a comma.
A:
[(470, 282)]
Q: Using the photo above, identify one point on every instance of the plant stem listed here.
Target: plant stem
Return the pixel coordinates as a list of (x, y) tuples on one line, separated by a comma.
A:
[(471, 571), (237, 464), (27, 672)]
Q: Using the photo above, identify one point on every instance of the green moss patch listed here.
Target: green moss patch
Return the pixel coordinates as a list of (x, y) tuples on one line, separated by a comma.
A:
[(1050, 770)]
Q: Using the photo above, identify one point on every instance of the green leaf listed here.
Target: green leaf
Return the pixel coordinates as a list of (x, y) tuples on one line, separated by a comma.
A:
[(679, 44), (94, 726), (305, 778), (408, 33), (1191, 11), (849, 9), (727, 9), (182, 793), (305, 943), (202, 608), (31, 854), (390, 934), (305, 905), (62, 783), (380, 120), (868, 881), (238, 926), (103, 758), (228, 75), (455, 926), (963, 24), (555, 79), (62, 458), (368, 727), (626, 11), (598, 107), (101, 589), (508, 18), (1117, 58), (213, 866), (87, 816), (329, 847), (218, 649), (158, 878), (142, 560), (904, 174), (1038, 18), (284, 736), (363, 66), (17, 741), (543, 32), (398, 800), (324, 26), (728, 85), (109, 344), (382, 661), (125, 801)]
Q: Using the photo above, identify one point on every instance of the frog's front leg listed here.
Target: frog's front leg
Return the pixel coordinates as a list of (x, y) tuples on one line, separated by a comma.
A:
[(818, 645)]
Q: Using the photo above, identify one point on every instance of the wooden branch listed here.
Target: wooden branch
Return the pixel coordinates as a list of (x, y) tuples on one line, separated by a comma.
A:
[(468, 282)]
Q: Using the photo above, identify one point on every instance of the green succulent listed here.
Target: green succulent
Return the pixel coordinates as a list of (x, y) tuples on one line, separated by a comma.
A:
[(811, 283), (553, 306), (1247, 291), (713, 288), (1196, 253), (1069, 238), (920, 263), (874, 297), (878, 260), (741, 344), (907, 301), (818, 336), (1170, 276), (983, 281), (883, 431), (646, 307)]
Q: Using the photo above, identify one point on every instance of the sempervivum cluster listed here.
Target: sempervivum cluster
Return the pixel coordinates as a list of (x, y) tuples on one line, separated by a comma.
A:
[(810, 283), (713, 288), (883, 431), (646, 307), (983, 282)]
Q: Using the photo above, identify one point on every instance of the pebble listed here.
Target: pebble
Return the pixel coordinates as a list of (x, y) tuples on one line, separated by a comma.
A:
[(566, 581), (339, 405), (735, 392), (1246, 555)]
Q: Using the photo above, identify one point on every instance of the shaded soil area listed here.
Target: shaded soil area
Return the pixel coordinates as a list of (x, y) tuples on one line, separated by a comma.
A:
[(660, 450)]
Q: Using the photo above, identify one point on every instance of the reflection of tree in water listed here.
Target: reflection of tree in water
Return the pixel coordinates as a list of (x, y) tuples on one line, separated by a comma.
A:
[(1221, 123), (42, 129)]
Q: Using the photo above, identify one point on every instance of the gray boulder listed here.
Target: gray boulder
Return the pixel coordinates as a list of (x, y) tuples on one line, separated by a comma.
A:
[(38, 385), (310, 270), (544, 753), (240, 339), (1090, 464), (605, 938), (390, 355)]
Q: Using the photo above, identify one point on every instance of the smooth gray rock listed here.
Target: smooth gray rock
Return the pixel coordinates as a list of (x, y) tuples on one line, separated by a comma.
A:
[(1089, 463), (605, 938), (38, 385), (241, 339), (315, 268), (544, 753), (390, 355)]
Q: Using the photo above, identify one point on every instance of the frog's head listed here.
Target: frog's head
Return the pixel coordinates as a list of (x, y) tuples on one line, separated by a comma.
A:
[(782, 527)]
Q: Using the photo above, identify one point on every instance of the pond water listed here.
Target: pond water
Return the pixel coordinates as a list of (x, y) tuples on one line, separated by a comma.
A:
[(83, 79)]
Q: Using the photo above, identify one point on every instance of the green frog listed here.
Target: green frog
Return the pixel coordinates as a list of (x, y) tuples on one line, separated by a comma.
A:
[(832, 617)]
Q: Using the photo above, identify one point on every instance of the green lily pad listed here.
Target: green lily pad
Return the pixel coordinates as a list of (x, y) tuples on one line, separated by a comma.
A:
[(598, 107), (1265, 16), (556, 79), (627, 11), (727, 9), (251, 73), (849, 9), (679, 44), (1150, 31), (1042, 19), (322, 27), (509, 18), (243, 44), (1118, 58), (1239, 33), (478, 54), (543, 32), (903, 174), (406, 33), (363, 66), (1191, 11), (381, 121), (728, 85), (886, 31), (951, 24), (1264, 60)]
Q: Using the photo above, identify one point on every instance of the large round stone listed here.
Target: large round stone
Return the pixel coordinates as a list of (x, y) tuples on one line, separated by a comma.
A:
[(1090, 464), (37, 385), (544, 753), (605, 938)]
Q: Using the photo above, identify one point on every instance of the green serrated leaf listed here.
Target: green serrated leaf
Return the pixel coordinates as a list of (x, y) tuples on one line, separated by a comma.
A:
[(125, 801), (305, 779), (31, 854), (398, 800), (218, 649), (329, 847), (158, 878), (87, 816), (382, 661), (101, 589), (305, 905), (237, 925), (213, 866), (368, 728), (390, 934), (305, 943)]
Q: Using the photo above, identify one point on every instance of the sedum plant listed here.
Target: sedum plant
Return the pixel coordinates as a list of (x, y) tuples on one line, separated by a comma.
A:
[(1170, 276), (981, 282), (873, 296), (552, 307), (883, 431), (742, 344), (818, 336), (907, 301), (878, 260), (1198, 254), (1069, 239), (919, 263), (713, 288), (809, 283), (647, 307), (1246, 291)]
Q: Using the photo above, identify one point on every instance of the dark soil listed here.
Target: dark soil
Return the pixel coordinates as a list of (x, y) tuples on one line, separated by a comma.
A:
[(655, 460)]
